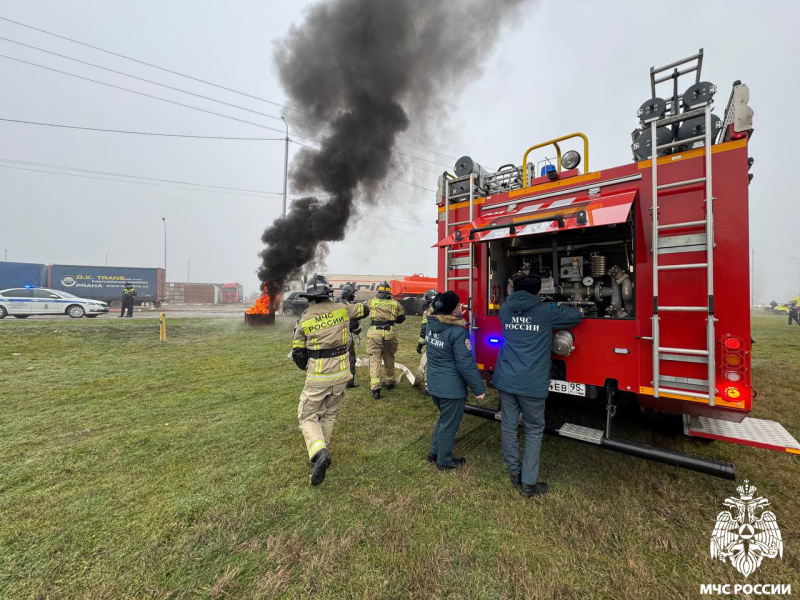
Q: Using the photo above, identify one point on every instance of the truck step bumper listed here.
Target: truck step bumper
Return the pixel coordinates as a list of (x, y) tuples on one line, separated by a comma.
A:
[(760, 433)]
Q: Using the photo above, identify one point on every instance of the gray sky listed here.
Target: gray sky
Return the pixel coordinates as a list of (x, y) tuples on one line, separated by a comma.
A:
[(565, 66)]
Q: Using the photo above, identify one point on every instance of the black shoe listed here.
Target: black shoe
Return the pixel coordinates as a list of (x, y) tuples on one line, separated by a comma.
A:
[(321, 460), (390, 386), (516, 479), (431, 458), (457, 462), (352, 383), (537, 489), (376, 394)]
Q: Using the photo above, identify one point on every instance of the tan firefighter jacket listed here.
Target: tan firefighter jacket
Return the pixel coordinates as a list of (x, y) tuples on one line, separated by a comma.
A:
[(384, 312), (323, 329)]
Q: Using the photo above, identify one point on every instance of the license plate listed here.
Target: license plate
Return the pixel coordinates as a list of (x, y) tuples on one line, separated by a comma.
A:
[(567, 387)]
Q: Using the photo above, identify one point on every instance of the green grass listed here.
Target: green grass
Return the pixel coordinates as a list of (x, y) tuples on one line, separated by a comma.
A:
[(131, 468)]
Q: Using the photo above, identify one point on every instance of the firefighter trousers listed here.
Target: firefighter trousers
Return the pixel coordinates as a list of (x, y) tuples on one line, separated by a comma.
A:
[(532, 409), (317, 413), (381, 349), (422, 370)]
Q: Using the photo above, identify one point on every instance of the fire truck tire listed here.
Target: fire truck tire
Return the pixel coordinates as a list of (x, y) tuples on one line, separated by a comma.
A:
[(288, 311)]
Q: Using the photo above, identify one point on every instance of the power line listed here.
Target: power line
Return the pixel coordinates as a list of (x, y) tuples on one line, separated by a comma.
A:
[(428, 237), (387, 176), (124, 89), (131, 182), (175, 135), (216, 85), (211, 112), (219, 187)]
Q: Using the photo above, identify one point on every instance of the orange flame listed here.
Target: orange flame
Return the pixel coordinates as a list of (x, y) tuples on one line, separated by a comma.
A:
[(261, 306)]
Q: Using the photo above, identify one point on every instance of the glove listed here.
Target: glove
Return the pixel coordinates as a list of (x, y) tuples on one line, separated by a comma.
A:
[(300, 358), (419, 348)]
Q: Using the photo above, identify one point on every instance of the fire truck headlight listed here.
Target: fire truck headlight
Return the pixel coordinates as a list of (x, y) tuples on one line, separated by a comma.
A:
[(732, 375), (570, 160)]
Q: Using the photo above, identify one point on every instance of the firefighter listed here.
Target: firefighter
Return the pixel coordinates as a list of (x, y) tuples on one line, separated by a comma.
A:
[(319, 347), (522, 375), (128, 294), (793, 314), (451, 370), (386, 313), (348, 296), (427, 299)]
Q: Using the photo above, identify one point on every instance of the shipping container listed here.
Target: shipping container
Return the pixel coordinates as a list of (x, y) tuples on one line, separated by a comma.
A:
[(192, 293), (16, 274), (106, 283)]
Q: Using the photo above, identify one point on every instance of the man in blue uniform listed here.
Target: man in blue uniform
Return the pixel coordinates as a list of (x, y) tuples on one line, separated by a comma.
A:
[(522, 375)]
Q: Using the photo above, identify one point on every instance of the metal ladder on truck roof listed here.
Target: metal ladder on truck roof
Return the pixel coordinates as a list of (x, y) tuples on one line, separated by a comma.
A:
[(450, 260), (688, 243)]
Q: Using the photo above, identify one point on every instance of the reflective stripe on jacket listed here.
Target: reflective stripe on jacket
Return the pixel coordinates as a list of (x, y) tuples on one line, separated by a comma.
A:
[(385, 309), (324, 326)]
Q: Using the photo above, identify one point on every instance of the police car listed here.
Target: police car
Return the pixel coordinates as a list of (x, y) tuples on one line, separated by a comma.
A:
[(24, 302)]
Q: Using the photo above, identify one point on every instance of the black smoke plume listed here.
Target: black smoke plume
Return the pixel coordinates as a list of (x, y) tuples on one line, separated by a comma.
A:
[(368, 67)]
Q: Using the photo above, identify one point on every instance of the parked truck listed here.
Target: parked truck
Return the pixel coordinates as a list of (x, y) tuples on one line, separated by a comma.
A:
[(106, 283), (16, 274)]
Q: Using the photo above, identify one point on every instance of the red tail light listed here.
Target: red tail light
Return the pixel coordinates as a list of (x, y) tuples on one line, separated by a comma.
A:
[(732, 343)]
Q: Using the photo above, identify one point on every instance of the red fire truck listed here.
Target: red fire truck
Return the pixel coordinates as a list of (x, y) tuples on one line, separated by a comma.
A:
[(654, 253)]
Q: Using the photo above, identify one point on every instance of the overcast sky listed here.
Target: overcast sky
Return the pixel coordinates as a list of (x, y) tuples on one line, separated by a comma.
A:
[(565, 66)]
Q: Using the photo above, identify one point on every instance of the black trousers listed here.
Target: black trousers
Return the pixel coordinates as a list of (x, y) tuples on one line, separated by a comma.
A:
[(793, 317), (352, 351), (127, 304)]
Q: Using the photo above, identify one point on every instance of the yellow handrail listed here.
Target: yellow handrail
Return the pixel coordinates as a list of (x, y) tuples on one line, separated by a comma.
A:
[(554, 142)]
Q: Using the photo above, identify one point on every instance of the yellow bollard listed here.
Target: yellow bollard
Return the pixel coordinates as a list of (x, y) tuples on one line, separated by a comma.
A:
[(162, 334)]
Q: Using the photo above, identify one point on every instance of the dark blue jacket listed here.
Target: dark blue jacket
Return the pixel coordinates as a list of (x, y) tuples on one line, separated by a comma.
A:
[(523, 366), (451, 366)]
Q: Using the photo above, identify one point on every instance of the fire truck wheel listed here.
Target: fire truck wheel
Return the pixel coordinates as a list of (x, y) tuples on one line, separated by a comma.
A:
[(288, 311)]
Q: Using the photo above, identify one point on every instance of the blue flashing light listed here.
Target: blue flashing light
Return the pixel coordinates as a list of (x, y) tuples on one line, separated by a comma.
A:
[(494, 341), (547, 169), (29, 287)]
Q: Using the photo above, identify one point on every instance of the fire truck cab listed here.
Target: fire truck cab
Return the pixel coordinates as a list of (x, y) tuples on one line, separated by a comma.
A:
[(653, 253)]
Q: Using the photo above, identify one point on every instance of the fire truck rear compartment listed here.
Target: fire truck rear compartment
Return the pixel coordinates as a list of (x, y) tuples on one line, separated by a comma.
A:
[(589, 269)]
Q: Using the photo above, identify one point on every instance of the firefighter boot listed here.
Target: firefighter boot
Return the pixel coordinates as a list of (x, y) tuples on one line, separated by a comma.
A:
[(376, 394), (516, 480), (321, 460), (537, 489), (352, 383)]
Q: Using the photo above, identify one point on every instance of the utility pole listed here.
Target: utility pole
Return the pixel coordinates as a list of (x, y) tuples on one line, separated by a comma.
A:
[(164, 220), (285, 166), (188, 269)]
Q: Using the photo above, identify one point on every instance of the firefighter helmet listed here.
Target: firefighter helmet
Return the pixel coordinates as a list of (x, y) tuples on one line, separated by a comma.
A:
[(384, 289), (318, 288), (349, 292)]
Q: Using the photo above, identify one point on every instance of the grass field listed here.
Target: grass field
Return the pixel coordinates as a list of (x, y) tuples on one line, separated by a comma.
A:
[(134, 469)]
